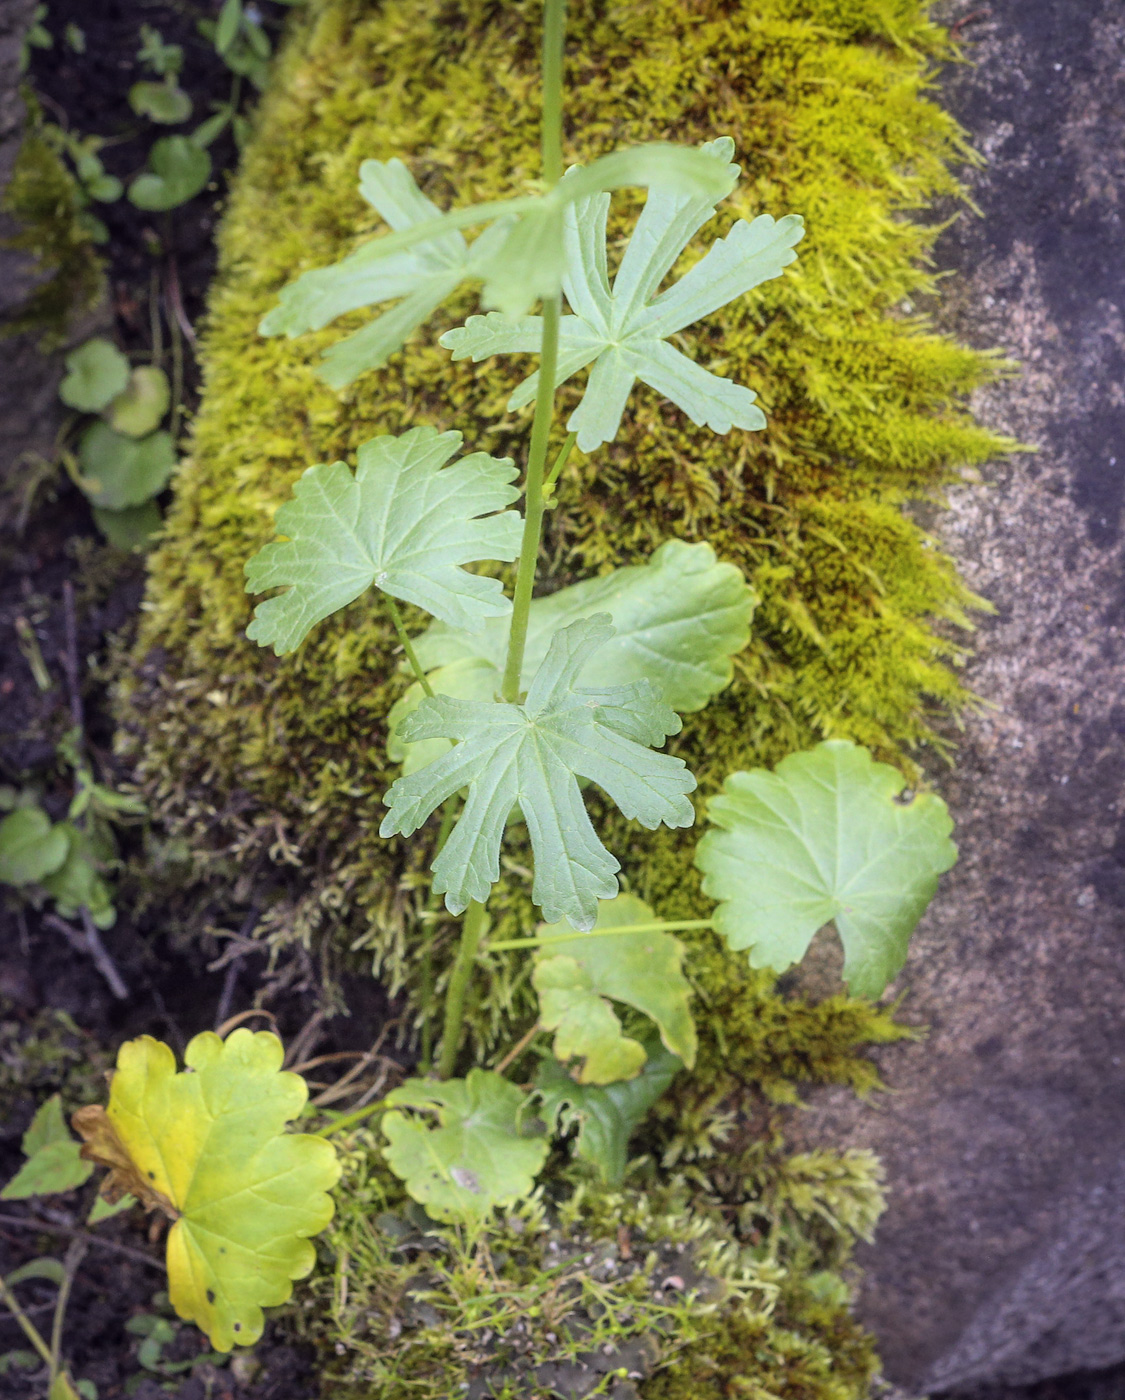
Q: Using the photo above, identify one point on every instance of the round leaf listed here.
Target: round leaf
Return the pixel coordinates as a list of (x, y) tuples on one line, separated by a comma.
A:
[(178, 170), (30, 847), (97, 373), (132, 528), (160, 102), (208, 1147), (823, 839), (119, 471), (475, 1157), (140, 408)]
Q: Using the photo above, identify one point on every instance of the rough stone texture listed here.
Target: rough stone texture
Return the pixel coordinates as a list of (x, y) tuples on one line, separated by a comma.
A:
[(1002, 1256)]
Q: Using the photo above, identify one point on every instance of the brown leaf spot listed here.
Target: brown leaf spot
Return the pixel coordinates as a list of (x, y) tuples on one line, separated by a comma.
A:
[(102, 1146)]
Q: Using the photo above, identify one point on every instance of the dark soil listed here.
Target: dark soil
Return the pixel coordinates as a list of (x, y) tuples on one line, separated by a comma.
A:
[(60, 1022)]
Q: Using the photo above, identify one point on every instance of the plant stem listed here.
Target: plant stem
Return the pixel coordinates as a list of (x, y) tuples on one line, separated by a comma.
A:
[(472, 930), (349, 1119), (74, 1256), (30, 1331), (560, 462), (554, 30), (654, 927), (407, 644), (518, 1048), (427, 970)]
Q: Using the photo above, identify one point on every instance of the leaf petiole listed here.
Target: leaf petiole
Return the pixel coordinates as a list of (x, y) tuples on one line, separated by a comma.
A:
[(560, 463), (658, 925), (348, 1120), (407, 645)]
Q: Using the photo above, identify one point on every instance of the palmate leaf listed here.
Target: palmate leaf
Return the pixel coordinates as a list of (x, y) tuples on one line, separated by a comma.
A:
[(519, 256), (576, 977), (53, 1161), (404, 523), (533, 755), (478, 1154), (622, 330), (679, 620), (823, 838), (208, 1147), (606, 1114)]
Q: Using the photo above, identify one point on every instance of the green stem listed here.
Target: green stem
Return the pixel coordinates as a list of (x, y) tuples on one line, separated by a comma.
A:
[(74, 1256), (348, 1120), (654, 927), (30, 1331), (472, 930), (427, 971), (554, 30), (408, 645), (560, 462)]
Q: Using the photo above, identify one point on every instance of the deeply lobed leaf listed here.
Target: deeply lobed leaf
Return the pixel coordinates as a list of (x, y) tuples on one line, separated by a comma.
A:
[(532, 755), (405, 523), (821, 839)]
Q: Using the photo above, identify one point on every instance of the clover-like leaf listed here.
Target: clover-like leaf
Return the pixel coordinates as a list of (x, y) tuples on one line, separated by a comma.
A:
[(76, 884), (208, 1147), (519, 256), (606, 1114), (53, 1161), (404, 523), (533, 755), (576, 976), (31, 847), (478, 1154), (142, 404), (622, 331), (824, 838), (680, 618), (120, 471), (178, 170), (96, 373)]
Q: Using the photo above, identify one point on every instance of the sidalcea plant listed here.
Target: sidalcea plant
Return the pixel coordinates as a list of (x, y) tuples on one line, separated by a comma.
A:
[(518, 702)]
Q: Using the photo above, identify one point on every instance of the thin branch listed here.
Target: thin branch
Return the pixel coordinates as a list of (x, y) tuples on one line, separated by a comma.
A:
[(48, 1227), (91, 947), (69, 659)]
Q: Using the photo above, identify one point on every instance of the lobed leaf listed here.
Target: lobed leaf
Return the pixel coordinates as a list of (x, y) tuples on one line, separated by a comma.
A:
[(575, 977), (120, 471), (477, 1154), (533, 755), (621, 331), (96, 373), (822, 839), (679, 620), (207, 1146), (404, 523), (607, 1115)]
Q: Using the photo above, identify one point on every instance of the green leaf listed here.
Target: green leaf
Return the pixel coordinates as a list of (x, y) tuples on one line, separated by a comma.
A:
[(474, 1157), (533, 755), (119, 471), (160, 57), (140, 407), (76, 884), (103, 1210), (133, 528), (622, 331), (62, 1389), (823, 838), (30, 846), (178, 170), (208, 1146), (53, 1163), (26, 1360), (607, 1115), (208, 130), (97, 373), (104, 188), (402, 524), (50, 1269), (230, 21), (519, 257), (165, 102), (574, 978), (679, 619), (419, 279)]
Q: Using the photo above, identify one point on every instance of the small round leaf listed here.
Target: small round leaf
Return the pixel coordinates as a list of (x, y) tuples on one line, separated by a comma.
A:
[(160, 102), (178, 170), (119, 471), (97, 373), (30, 847), (140, 408)]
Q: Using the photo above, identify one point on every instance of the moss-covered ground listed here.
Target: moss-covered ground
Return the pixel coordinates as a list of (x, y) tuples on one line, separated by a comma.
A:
[(273, 770)]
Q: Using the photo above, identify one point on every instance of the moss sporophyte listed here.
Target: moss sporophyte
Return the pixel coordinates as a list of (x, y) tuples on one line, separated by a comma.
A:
[(520, 708)]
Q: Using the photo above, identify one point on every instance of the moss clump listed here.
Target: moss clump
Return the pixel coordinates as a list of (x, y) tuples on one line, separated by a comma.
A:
[(587, 1293), (249, 756), (44, 201)]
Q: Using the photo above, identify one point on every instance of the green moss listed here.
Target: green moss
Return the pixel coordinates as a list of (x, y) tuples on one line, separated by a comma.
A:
[(44, 200), (581, 1289)]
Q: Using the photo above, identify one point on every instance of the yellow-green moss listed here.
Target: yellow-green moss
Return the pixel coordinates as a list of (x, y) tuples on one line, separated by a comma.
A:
[(44, 200)]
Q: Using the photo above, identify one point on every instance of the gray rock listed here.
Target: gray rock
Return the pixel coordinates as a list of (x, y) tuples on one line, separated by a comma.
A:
[(1001, 1258)]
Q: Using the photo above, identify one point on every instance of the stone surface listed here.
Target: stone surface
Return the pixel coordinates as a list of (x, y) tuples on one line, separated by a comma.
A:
[(1002, 1255)]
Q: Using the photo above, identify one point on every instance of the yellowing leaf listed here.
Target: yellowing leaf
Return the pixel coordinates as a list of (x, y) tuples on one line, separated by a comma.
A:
[(574, 976), (209, 1148)]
